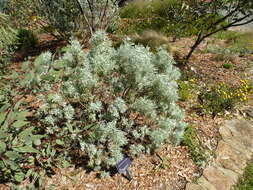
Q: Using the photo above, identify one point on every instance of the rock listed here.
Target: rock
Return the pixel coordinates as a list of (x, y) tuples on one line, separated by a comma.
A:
[(229, 173), (242, 132), (249, 112), (225, 132), (217, 178), (239, 147), (206, 184), (230, 158), (192, 186), (232, 154)]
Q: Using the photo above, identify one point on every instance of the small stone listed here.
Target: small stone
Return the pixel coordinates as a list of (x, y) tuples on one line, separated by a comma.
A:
[(91, 186)]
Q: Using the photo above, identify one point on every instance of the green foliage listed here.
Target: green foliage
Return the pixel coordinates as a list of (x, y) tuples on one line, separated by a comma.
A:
[(21, 13), (18, 145), (109, 102), (7, 38), (3, 4), (217, 99), (190, 140), (80, 18), (246, 181), (227, 65), (176, 18), (184, 90), (26, 39), (139, 16), (228, 36), (237, 42), (217, 16)]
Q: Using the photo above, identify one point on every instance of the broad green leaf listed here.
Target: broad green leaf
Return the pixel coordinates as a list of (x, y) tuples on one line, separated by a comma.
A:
[(2, 146), (48, 150), (53, 153), (3, 135), (19, 176), (2, 165), (18, 104), (59, 142), (29, 173), (50, 97), (4, 107), (65, 164), (37, 142), (19, 123), (26, 149), (21, 115), (14, 75), (47, 77), (31, 159), (70, 127), (2, 117), (12, 155), (10, 118), (26, 132), (25, 65), (52, 187), (37, 139), (11, 164), (28, 141)]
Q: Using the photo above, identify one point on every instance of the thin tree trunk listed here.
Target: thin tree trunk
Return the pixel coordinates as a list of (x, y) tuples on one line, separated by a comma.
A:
[(195, 45)]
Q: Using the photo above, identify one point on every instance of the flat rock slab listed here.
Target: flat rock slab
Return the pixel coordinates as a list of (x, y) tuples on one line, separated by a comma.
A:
[(242, 132), (206, 184), (218, 179), (232, 154), (192, 186), (230, 158)]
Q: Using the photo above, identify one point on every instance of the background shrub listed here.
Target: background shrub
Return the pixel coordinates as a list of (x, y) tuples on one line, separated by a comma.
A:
[(26, 39), (21, 13), (218, 99), (76, 18), (7, 38), (170, 17)]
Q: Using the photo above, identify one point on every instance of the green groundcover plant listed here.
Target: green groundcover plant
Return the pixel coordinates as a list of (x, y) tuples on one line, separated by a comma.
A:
[(99, 106)]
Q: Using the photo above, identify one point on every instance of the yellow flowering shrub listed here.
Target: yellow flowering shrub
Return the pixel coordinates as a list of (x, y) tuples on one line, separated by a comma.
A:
[(217, 99)]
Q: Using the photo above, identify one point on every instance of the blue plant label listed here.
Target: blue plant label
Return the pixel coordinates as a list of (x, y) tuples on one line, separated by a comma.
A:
[(123, 165)]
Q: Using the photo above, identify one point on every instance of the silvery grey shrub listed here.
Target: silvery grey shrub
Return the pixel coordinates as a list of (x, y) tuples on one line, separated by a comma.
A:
[(108, 102)]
